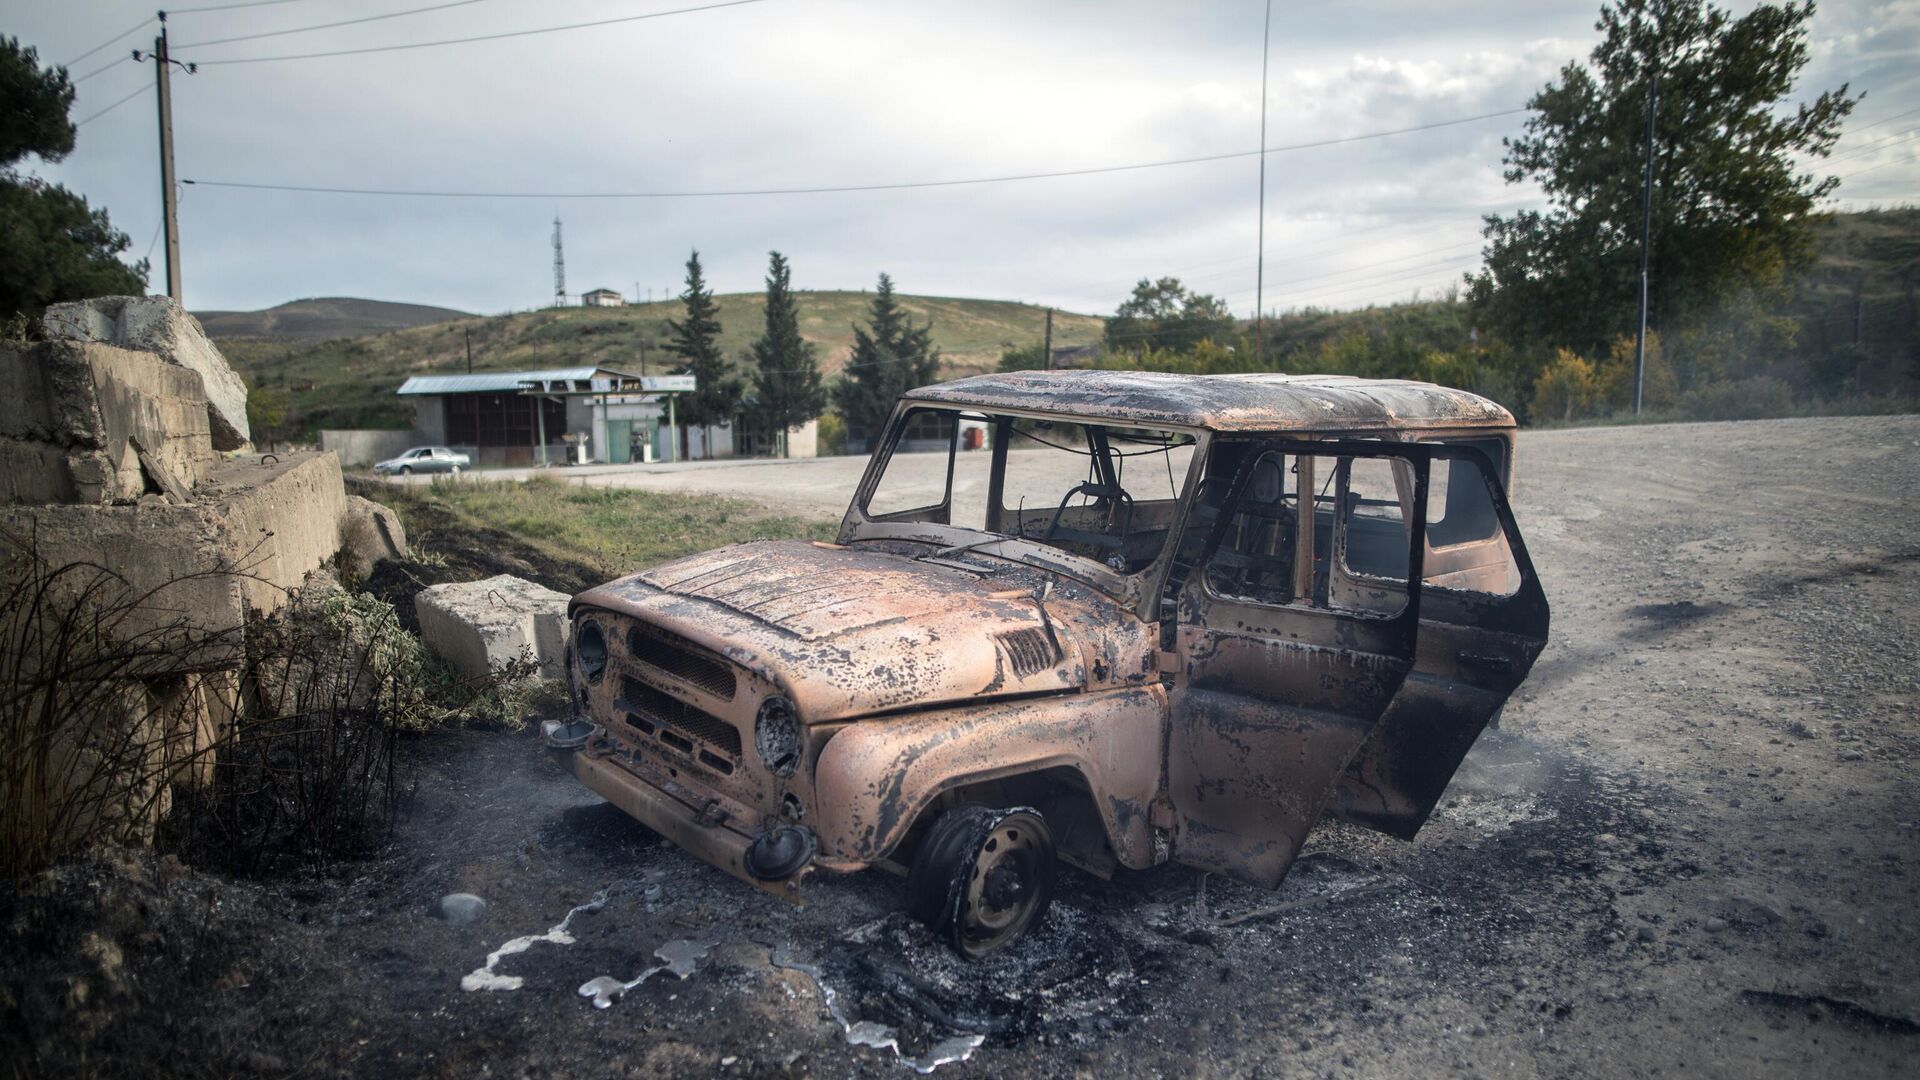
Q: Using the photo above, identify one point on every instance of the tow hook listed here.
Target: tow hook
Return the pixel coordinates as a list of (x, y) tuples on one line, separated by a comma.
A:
[(778, 854)]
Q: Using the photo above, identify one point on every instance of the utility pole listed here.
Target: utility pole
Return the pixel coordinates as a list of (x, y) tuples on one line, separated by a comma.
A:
[(1048, 347), (468, 331), (1646, 229), (163, 63), (1260, 265), (559, 266)]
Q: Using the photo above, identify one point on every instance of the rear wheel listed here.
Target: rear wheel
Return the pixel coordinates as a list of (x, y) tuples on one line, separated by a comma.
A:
[(983, 877)]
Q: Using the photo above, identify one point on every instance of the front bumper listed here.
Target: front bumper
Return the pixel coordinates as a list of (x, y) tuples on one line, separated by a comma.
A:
[(676, 813)]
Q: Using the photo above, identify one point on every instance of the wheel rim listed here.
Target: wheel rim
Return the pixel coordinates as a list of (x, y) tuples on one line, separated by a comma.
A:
[(1006, 884)]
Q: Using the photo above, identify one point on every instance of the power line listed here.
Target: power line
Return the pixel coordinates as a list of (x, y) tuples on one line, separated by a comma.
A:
[(141, 89), (105, 67), (1883, 120), (328, 26), (229, 7), (134, 29), (1876, 146), (902, 186), (481, 37)]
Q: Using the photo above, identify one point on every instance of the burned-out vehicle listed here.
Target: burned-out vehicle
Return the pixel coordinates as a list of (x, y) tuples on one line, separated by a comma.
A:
[(1114, 619)]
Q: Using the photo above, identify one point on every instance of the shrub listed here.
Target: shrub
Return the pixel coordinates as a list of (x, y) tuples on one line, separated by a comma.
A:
[(1739, 399)]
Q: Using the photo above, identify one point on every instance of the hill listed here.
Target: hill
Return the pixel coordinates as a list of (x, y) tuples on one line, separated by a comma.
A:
[(323, 318), (350, 383)]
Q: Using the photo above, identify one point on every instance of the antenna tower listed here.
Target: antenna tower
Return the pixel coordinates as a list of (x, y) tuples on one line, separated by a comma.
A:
[(559, 267)]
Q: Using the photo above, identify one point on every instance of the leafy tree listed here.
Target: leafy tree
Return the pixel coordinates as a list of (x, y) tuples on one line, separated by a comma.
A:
[(1164, 314), (53, 246), (1730, 208), (696, 341), (889, 358), (787, 381), (1023, 357)]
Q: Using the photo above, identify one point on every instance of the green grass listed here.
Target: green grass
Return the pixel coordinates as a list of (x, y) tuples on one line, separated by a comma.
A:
[(616, 531), (350, 383)]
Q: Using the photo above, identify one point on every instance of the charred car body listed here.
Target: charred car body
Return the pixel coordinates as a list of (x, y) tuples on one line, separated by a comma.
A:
[(1110, 618)]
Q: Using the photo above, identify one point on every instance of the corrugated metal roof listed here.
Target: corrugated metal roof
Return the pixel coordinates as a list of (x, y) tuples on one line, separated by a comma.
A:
[(504, 382)]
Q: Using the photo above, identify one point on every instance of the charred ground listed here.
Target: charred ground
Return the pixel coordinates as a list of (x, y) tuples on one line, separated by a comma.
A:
[(1691, 846)]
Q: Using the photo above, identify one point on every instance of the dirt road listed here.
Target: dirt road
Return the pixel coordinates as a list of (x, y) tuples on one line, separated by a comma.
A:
[(1693, 846)]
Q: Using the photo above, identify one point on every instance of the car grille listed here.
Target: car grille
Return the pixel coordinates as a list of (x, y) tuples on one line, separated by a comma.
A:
[(676, 657), (674, 721)]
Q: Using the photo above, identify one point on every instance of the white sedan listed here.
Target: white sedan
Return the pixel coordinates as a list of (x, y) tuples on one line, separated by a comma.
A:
[(424, 459)]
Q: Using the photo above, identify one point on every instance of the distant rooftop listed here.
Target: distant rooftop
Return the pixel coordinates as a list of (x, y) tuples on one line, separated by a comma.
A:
[(576, 379)]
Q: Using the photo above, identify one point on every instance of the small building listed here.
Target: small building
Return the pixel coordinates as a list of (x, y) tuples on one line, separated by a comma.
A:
[(524, 417), (602, 298)]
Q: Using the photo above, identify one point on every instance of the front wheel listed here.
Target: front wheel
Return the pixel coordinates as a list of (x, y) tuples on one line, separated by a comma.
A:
[(983, 877), (406, 470), (455, 470)]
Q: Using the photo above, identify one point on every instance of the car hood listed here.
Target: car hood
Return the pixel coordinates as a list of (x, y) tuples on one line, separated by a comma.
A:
[(847, 632)]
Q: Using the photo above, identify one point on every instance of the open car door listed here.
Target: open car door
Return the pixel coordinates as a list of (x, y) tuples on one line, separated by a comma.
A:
[(1483, 621), (1297, 620)]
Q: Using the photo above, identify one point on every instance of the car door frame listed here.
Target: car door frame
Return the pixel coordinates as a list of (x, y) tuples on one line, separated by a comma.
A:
[(1269, 702), (1474, 650)]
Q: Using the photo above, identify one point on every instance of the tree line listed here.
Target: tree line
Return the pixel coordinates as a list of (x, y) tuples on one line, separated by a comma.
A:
[(1741, 321), (891, 355)]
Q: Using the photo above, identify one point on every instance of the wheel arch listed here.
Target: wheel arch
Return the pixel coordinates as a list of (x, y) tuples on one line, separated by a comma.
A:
[(875, 780)]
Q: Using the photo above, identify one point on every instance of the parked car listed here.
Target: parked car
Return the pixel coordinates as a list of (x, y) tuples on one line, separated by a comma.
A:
[(1158, 618), (424, 459)]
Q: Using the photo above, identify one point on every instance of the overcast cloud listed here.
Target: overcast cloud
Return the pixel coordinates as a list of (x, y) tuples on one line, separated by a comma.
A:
[(789, 93)]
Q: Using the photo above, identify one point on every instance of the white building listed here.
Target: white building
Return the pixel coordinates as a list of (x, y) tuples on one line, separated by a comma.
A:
[(602, 298)]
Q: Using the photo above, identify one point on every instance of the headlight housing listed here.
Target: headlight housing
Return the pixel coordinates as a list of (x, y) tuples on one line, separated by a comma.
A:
[(590, 651), (776, 736)]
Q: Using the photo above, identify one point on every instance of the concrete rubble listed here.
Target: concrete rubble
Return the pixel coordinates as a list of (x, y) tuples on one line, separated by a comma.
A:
[(157, 325), (482, 626), (110, 458)]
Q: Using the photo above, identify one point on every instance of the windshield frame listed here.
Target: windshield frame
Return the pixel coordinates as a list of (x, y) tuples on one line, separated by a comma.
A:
[(1132, 590)]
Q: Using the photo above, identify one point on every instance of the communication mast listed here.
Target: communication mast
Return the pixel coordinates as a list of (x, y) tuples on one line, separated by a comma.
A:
[(559, 267)]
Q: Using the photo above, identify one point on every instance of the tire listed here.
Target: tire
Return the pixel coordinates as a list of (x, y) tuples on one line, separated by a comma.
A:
[(983, 877), (406, 470), (453, 470)]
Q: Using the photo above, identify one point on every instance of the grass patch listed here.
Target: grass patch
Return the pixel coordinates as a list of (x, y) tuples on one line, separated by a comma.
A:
[(609, 532)]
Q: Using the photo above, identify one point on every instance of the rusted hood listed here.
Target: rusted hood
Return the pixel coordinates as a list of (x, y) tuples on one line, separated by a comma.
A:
[(848, 632)]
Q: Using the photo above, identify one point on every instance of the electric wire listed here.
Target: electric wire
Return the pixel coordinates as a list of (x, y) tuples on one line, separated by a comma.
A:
[(824, 190), (103, 68), (327, 26), (478, 37), (134, 29), (229, 7), (141, 89)]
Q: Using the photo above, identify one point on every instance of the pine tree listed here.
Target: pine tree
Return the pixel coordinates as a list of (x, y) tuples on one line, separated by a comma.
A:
[(55, 247), (696, 341), (787, 381), (889, 358)]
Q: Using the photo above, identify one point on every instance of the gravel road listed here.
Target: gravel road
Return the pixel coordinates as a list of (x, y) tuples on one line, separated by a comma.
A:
[(1690, 847)]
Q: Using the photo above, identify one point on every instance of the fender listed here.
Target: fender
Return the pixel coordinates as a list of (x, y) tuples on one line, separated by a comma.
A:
[(875, 777)]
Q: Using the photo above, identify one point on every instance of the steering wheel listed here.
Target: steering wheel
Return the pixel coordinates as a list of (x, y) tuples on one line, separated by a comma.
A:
[(1119, 499)]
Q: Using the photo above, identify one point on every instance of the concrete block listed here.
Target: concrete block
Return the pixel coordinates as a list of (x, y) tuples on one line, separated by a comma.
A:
[(157, 325), (480, 626), (251, 535), (71, 413), (369, 534)]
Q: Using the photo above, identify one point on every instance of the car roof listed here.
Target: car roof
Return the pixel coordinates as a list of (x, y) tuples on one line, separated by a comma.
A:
[(1262, 401)]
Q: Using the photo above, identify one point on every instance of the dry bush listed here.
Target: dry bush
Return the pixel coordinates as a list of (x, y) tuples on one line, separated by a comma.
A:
[(100, 707)]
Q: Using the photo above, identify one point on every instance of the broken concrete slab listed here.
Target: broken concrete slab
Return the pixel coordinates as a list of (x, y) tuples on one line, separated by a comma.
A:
[(75, 416), (369, 533), (481, 626), (157, 325), (252, 534)]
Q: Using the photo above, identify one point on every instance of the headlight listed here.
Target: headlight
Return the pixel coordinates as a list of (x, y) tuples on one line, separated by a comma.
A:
[(590, 651), (776, 736)]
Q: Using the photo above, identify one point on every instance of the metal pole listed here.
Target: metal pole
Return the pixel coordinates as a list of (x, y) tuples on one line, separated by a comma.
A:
[(169, 205), (468, 331), (673, 432), (1260, 266), (1646, 229), (1049, 345)]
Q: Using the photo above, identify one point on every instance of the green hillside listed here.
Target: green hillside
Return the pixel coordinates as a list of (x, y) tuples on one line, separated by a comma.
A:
[(350, 382), (322, 319)]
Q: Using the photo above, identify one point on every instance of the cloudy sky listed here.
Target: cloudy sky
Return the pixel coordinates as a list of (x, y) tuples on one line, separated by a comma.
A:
[(830, 93)]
